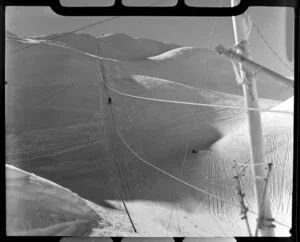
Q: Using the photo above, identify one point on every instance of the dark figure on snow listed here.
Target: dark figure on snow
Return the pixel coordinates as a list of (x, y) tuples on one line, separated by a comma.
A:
[(109, 101), (194, 151)]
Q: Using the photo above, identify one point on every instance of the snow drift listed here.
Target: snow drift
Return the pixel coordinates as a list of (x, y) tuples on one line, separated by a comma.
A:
[(36, 206)]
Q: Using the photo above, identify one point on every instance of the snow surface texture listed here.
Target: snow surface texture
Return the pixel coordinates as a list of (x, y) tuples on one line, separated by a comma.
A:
[(39, 207), (58, 127), (36, 206)]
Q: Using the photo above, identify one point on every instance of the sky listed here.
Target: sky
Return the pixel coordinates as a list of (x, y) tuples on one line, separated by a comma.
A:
[(203, 32)]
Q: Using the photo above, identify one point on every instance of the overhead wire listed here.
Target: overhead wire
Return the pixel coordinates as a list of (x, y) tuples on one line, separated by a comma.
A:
[(268, 45), (180, 180), (198, 104), (65, 34), (276, 111), (194, 116), (181, 169), (115, 149), (211, 182), (114, 187), (215, 27), (162, 171), (211, 47)]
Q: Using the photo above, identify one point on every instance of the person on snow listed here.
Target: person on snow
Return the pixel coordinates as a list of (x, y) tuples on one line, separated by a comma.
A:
[(194, 151), (109, 100)]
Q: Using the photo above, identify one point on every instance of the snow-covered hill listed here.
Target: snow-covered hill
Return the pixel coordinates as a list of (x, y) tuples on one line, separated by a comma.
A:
[(36, 206), (58, 127)]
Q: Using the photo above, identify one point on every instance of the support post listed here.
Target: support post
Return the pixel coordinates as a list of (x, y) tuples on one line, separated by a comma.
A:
[(241, 33), (253, 67)]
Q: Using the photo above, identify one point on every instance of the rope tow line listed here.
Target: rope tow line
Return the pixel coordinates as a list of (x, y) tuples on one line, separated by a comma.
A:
[(162, 171), (113, 139), (197, 104), (172, 176), (182, 181)]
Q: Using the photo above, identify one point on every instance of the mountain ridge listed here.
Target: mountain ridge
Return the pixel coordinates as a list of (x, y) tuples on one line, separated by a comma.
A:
[(118, 46)]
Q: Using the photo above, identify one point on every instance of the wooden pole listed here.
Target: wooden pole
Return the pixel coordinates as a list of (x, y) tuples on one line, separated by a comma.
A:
[(241, 33)]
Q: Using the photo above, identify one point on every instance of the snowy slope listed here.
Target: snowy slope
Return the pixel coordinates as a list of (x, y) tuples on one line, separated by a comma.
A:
[(36, 206), (56, 128), (278, 146), (39, 207)]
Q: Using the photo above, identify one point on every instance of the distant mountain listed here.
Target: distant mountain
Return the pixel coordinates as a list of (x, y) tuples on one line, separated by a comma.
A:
[(114, 46), (10, 35)]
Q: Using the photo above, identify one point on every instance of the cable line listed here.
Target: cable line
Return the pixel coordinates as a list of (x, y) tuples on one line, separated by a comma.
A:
[(198, 104), (268, 45), (164, 172), (115, 148), (194, 116), (214, 28), (181, 181), (176, 178), (64, 34)]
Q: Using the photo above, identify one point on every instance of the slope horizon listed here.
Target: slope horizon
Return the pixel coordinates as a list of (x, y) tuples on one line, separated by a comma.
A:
[(111, 35)]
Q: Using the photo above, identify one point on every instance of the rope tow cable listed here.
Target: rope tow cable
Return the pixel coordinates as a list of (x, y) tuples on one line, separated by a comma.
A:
[(113, 142), (181, 181), (198, 104), (193, 121)]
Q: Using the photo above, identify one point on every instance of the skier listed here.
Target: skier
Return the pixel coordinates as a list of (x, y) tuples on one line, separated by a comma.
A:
[(109, 100)]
